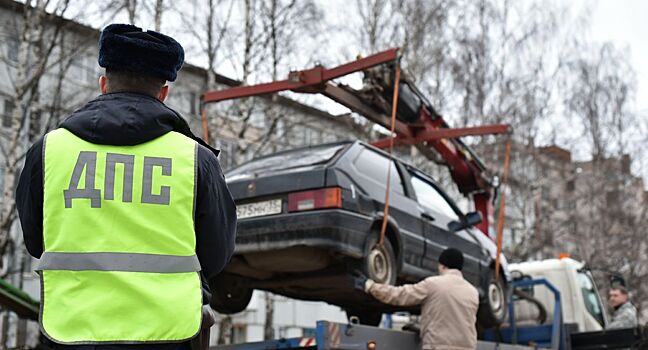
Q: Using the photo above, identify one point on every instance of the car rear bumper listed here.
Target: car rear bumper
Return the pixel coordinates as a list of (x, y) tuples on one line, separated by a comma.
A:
[(336, 230)]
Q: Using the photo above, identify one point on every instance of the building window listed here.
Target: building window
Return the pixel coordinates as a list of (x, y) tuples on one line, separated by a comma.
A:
[(227, 156), (309, 332), (571, 186), (8, 113), (76, 69), (307, 135), (239, 333), (612, 198), (571, 204), (13, 46), (92, 76)]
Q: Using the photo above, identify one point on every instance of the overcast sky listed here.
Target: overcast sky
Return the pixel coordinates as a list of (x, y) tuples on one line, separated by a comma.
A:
[(624, 23)]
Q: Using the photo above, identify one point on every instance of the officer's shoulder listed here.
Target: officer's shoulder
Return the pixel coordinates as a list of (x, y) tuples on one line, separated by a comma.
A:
[(206, 158)]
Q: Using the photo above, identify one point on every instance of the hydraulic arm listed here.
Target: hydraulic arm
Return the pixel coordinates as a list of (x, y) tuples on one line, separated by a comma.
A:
[(417, 123)]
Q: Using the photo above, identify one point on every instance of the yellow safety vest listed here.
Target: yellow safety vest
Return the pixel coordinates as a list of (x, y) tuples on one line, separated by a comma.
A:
[(119, 262)]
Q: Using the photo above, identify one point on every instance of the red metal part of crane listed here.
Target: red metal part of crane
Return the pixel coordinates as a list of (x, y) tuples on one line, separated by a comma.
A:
[(429, 131)]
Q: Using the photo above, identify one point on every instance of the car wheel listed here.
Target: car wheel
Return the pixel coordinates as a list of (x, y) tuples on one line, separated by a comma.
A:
[(493, 308), (366, 317), (380, 261), (229, 295)]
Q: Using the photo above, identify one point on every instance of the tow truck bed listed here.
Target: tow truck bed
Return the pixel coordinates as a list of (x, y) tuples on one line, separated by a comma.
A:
[(340, 336)]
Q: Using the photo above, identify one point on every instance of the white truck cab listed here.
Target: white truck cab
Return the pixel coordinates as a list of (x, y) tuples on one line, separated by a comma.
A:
[(582, 307)]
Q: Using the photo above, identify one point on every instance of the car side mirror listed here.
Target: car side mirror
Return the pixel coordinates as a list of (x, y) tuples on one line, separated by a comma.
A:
[(471, 219)]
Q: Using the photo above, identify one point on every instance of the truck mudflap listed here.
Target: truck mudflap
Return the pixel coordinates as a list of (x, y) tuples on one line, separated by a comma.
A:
[(341, 336)]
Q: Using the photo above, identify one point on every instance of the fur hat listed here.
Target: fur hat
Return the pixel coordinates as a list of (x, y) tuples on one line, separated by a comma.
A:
[(126, 47), (452, 258)]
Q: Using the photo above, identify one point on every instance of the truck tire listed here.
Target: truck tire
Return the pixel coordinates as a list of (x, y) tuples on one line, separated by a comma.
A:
[(379, 263), (493, 308), (366, 317), (229, 296)]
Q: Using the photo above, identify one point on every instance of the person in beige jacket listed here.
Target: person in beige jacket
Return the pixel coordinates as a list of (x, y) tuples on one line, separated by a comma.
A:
[(449, 304)]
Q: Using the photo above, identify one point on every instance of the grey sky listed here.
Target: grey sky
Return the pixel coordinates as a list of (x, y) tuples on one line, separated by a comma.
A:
[(624, 23), (619, 21)]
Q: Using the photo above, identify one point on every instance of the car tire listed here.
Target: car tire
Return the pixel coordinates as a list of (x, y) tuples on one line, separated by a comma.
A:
[(493, 308), (365, 317), (379, 263), (229, 295)]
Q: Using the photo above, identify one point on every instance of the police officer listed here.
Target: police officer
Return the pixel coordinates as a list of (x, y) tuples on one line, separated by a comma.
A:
[(125, 208)]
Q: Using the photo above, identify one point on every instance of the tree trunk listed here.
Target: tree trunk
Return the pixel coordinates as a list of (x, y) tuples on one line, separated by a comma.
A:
[(268, 329), (225, 330), (131, 7), (159, 9)]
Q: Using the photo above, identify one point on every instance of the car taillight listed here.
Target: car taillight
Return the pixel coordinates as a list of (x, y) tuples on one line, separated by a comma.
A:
[(315, 199)]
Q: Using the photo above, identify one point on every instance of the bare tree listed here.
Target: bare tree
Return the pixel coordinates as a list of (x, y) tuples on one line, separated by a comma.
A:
[(38, 37), (610, 207), (480, 62), (131, 9), (268, 327), (157, 14), (257, 38)]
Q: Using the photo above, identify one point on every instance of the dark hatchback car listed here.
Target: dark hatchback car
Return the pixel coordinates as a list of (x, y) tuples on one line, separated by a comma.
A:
[(309, 216)]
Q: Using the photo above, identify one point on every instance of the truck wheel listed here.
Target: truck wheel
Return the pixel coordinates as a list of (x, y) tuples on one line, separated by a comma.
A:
[(229, 296), (493, 308), (366, 317), (380, 261)]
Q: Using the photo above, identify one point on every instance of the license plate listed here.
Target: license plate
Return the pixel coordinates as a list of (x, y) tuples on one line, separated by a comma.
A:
[(258, 209)]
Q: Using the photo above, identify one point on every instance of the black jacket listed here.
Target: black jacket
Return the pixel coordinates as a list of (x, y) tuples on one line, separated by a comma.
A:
[(130, 119)]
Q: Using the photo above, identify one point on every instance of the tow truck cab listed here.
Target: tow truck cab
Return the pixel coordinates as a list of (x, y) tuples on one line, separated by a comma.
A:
[(583, 308)]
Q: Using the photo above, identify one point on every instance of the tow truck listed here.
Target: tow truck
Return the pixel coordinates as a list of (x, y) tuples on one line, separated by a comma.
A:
[(352, 336), (554, 335), (415, 122), (391, 100)]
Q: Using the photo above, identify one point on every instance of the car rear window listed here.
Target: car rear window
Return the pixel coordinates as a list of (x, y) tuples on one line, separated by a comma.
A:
[(291, 159)]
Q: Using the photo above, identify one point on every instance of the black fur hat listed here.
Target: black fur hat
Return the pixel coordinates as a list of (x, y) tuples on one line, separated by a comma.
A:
[(452, 258), (126, 47)]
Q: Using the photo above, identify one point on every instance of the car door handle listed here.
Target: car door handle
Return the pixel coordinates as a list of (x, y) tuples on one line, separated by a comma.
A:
[(427, 216)]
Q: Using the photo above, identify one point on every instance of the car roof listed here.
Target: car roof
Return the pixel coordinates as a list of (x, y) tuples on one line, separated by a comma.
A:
[(336, 143), (322, 145)]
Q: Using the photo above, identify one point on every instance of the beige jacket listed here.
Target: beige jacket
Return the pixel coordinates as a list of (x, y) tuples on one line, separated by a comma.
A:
[(449, 308)]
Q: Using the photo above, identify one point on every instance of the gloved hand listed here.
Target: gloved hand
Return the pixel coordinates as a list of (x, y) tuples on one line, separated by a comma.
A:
[(358, 280), (412, 327)]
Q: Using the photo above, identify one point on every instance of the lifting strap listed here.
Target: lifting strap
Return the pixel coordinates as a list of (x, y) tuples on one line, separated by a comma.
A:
[(383, 228), (500, 214)]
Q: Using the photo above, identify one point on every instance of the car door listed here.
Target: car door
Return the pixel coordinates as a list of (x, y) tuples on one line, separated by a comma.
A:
[(370, 173), (438, 211)]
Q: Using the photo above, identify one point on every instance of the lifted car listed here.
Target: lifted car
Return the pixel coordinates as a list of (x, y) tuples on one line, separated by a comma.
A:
[(308, 216)]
